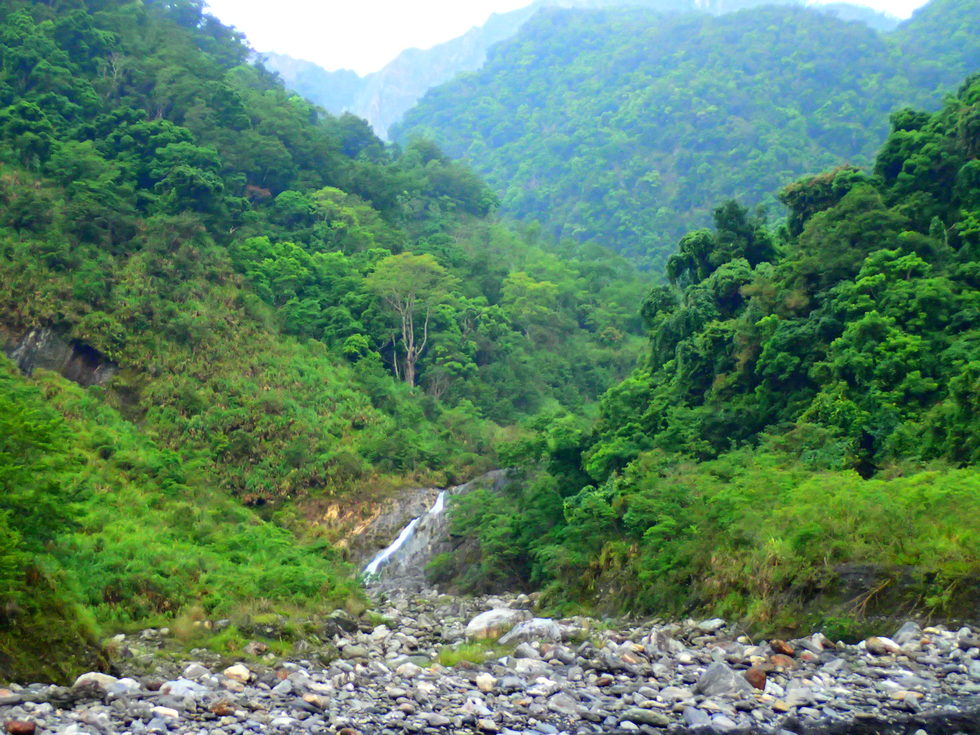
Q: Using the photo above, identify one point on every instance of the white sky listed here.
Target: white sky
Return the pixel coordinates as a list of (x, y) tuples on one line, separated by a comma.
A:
[(364, 35)]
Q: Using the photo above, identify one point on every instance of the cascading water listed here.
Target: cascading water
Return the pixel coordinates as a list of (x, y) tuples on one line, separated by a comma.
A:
[(402, 564), (406, 535)]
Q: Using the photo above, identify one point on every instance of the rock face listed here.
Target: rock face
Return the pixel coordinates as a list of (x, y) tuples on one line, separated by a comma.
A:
[(43, 348), (650, 678), (402, 564)]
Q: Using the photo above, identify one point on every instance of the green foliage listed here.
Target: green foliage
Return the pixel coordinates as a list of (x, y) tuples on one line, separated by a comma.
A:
[(245, 259), (814, 408), (625, 125)]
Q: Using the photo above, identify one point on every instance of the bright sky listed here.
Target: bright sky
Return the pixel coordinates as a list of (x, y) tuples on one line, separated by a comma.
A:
[(364, 35)]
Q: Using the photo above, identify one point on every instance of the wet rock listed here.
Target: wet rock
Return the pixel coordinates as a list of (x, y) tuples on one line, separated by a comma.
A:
[(20, 727)]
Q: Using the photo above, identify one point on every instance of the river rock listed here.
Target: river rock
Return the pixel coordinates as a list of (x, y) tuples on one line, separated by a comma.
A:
[(536, 629), (184, 689), (492, 624), (646, 717), (239, 673), (910, 632), (94, 682), (711, 626), (694, 717), (881, 646), (720, 679)]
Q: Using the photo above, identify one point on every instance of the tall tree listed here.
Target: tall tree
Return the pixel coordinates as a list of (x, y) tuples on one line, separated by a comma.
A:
[(410, 285)]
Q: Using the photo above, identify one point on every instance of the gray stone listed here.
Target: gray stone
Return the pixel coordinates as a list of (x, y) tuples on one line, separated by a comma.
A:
[(564, 704), (693, 717), (184, 689), (492, 624), (646, 717), (711, 626), (95, 682), (536, 629), (720, 679)]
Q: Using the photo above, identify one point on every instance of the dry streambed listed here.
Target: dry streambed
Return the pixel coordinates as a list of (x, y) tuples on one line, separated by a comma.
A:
[(544, 677)]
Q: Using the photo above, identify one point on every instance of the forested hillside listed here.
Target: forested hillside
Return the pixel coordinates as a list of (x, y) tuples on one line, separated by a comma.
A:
[(383, 97), (626, 126), (290, 309), (809, 399)]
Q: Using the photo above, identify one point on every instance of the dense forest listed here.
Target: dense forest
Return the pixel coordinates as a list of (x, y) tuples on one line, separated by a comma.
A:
[(279, 312), (291, 309), (809, 397), (626, 126)]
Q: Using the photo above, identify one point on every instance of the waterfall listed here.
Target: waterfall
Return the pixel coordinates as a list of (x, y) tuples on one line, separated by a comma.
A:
[(383, 557)]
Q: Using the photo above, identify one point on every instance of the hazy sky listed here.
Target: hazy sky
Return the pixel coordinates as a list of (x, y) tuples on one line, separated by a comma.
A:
[(364, 35)]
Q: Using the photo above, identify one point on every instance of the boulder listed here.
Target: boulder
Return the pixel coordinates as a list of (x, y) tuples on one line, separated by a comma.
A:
[(536, 629), (94, 682), (492, 624), (720, 679)]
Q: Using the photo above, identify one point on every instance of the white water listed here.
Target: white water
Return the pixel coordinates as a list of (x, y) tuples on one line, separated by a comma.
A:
[(439, 505), (404, 537)]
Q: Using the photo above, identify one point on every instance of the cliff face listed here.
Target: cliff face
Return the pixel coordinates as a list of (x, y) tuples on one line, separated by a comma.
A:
[(42, 347)]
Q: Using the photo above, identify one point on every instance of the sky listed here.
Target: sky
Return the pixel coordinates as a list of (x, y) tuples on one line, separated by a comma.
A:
[(364, 35)]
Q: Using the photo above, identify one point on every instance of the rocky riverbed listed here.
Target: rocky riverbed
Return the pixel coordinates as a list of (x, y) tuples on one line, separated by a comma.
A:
[(543, 677)]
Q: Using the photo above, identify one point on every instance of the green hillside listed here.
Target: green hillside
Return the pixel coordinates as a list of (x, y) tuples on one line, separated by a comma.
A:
[(292, 310), (625, 126), (809, 399)]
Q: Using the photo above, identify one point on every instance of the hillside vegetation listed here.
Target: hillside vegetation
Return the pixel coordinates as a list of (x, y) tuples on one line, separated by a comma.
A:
[(809, 399), (627, 126), (294, 310)]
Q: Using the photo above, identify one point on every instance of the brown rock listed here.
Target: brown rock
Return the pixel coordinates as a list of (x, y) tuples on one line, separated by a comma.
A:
[(20, 727), (808, 656), (756, 676), (153, 685), (782, 661), (348, 731), (603, 681), (223, 708), (779, 646)]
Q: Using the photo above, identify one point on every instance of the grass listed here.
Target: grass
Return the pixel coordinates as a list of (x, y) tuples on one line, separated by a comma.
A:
[(475, 653)]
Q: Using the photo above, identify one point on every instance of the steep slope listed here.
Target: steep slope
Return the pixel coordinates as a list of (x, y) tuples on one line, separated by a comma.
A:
[(624, 126), (263, 305), (808, 407)]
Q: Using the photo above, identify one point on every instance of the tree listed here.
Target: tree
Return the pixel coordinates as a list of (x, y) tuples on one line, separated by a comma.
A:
[(410, 285)]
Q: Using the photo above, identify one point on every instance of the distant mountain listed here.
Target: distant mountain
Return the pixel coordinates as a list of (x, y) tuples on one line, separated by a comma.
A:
[(382, 98), (627, 126)]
